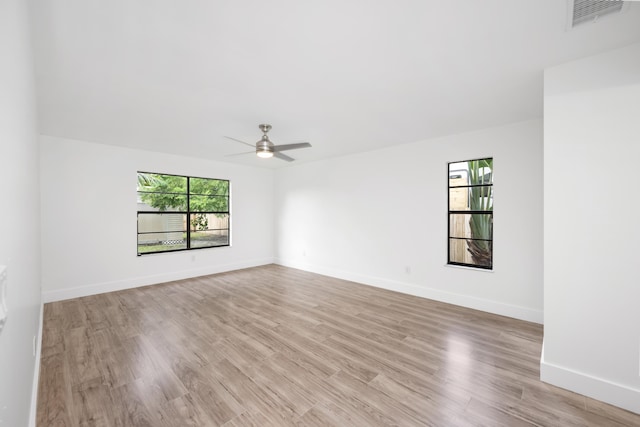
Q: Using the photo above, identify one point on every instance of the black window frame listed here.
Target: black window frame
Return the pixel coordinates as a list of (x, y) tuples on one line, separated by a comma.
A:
[(188, 212), (451, 212)]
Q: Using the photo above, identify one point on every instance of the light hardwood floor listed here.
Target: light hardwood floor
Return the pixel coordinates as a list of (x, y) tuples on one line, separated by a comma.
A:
[(273, 346)]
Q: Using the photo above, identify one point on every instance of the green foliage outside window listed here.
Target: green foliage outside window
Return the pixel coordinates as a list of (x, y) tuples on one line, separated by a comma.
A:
[(481, 199), (169, 193)]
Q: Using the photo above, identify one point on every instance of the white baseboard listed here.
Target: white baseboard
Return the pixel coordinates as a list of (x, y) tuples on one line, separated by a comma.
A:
[(495, 307), (597, 388), (36, 372), (118, 285)]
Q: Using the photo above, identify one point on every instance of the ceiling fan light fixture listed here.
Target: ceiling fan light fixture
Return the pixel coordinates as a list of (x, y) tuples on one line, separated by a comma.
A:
[(264, 154), (264, 148)]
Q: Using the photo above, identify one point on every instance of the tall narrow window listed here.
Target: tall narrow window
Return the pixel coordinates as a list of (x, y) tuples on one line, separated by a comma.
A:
[(181, 213), (470, 213)]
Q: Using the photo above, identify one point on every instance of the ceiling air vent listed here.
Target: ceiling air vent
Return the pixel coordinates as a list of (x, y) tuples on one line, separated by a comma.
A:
[(591, 10)]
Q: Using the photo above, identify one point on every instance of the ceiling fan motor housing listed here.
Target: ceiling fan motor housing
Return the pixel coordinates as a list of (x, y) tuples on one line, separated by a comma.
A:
[(264, 145)]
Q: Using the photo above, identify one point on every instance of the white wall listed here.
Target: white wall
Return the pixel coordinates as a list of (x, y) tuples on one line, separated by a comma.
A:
[(19, 214), (368, 217), (89, 219), (592, 227)]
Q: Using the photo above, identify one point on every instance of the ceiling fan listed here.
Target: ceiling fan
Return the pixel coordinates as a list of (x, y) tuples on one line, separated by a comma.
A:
[(265, 148)]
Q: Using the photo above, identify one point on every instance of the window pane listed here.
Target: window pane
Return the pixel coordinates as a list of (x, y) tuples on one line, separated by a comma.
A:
[(456, 168), (218, 221), (162, 202), (481, 252), (211, 187), (162, 183), (481, 198), (459, 199), (209, 203), (480, 171), (471, 226), (471, 252), (208, 221), (162, 192), (208, 238), (156, 242), (458, 251), (152, 222)]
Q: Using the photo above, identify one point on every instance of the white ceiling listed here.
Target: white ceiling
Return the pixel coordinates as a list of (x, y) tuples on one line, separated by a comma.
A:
[(178, 75)]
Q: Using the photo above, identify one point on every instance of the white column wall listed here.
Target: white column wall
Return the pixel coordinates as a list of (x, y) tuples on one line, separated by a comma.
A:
[(19, 215), (591, 278)]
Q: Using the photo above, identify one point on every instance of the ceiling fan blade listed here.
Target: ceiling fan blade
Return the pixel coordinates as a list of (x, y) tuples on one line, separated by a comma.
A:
[(240, 154), (283, 157), (241, 142), (284, 147)]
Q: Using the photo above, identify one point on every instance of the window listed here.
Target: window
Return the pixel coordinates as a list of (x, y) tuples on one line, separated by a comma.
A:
[(470, 214), (181, 212)]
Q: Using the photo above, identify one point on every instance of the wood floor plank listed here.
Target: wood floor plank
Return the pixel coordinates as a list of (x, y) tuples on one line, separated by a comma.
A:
[(610, 413), (214, 399), (298, 398), (395, 409), (130, 406), (250, 419), (318, 416), (332, 356), (52, 340), (433, 412), (257, 399), (493, 415), (184, 411), (93, 405), (275, 346), (81, 355), (54, 393)]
